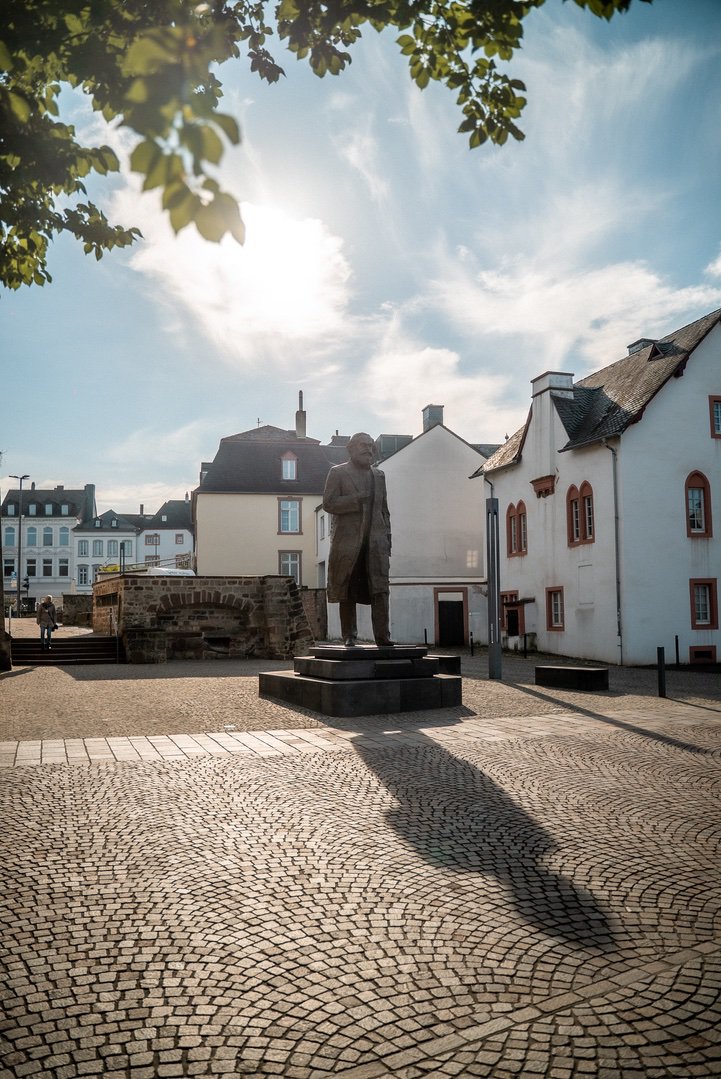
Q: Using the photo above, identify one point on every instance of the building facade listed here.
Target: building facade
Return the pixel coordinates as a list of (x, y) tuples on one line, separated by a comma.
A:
[(609, 548)]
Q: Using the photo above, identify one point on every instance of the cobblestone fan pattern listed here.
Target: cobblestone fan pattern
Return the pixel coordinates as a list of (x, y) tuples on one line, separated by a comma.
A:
[(429, 903)]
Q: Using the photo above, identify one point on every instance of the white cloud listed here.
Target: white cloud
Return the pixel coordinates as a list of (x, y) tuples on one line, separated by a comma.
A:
[(128, 498), (288, 285), (403, 376)]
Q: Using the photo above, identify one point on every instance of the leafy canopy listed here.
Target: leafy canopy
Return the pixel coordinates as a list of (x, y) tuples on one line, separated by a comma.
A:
[(150, 66)]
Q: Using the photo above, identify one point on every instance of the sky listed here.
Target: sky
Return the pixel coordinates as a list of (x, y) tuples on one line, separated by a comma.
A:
[(387, 266)]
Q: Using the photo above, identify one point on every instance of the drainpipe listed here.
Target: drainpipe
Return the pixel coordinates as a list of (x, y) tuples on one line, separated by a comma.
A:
[(617, 548)]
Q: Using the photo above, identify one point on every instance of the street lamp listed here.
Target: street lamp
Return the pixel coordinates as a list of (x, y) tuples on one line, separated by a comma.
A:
[(20, 531)]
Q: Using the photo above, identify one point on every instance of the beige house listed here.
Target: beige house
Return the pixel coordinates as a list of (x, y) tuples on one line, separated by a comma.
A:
[(254, 510)]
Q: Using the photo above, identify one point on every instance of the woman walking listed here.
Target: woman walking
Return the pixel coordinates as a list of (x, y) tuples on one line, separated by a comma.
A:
[(46, 621)]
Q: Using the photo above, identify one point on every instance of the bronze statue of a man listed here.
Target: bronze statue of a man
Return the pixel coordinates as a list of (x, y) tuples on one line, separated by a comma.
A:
[(360, 540)]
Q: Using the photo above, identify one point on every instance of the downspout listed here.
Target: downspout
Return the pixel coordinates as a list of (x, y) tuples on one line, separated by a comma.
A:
[(617, 548)]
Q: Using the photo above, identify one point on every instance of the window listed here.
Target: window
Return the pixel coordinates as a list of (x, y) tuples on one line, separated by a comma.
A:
[(47, 537), (98, 523), (33, 509), (714, 404), (65, 510), (10, 509), (112, 548), (31, 536), (97, 548), (288, 515), (8, 567), (48, 509), (289, 564), (31, 567), (83, 548), (64, 567), (10, 540), (321, 525), (152, 559), (47, 567), (64, 538), (126, 546), (704, 603), (580, 524), (82, 575), (516, 530), (554, 609), (152, 539), (698, 506), (289, 466), (182, 561), (179, 539), (114, 522)]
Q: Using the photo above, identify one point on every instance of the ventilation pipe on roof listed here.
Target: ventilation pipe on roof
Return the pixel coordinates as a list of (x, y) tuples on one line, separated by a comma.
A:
[(300, 417)]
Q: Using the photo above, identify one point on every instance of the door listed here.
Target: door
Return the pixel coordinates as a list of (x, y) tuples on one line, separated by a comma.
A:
[(451, 623)]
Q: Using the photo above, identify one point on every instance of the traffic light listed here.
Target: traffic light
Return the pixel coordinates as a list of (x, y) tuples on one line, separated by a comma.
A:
[(26, 582)]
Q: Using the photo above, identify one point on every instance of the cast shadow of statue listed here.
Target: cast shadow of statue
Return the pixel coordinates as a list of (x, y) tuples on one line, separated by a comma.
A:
[(458, 819)]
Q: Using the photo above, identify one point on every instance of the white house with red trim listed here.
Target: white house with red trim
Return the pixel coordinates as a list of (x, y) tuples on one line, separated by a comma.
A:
[(609, 547)]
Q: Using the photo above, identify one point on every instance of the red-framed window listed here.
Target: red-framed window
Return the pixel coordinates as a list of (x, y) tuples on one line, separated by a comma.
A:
[(555, 610), (704, 602), (516, 530), (580, 515), (714, 408), (698, 506)]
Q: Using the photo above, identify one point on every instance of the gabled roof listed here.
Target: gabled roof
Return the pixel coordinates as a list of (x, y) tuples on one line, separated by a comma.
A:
[(123, 523), (607, 402), (267, 433), (174, 514), (253, 466)]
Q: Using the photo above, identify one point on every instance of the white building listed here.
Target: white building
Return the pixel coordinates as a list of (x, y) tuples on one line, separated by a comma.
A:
[(108, 539), (49, 518), (606, 497), (166, 537), (437, 576)]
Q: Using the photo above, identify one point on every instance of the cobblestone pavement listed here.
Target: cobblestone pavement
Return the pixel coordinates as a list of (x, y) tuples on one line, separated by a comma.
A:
[(530, 894)]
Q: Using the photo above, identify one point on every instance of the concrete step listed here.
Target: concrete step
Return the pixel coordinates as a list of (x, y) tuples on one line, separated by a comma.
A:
[(85, 648)]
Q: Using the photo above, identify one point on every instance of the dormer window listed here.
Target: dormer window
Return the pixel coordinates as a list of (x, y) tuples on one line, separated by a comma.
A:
[(114, 522), (98, 523), (289, 466), (33, 509), (48, 509)]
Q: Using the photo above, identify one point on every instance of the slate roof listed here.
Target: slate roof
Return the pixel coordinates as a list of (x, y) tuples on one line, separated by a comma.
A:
[(177, 513), (608, 401), (125, 523), (251, 465), (81, 502)]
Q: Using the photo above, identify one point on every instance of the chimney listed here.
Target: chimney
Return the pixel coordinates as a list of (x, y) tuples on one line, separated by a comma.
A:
[(142, 509), (300, 417), (432, 416)]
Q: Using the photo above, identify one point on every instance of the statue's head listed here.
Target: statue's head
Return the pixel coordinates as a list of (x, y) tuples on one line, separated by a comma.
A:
[(361, 449)]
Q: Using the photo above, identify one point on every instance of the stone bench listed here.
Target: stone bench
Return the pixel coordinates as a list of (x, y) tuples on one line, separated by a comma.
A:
[(588, 678)]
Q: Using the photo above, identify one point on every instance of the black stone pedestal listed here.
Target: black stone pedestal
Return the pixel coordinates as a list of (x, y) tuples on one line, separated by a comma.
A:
[(367, 680)]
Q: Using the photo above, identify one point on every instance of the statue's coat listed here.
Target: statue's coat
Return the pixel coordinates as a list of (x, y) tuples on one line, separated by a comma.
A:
[(350, 522)]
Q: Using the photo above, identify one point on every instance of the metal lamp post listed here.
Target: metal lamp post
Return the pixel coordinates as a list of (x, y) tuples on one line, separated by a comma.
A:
[(20, 532)]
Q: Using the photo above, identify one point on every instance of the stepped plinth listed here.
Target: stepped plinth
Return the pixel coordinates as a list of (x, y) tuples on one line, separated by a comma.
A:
[(367, 680)]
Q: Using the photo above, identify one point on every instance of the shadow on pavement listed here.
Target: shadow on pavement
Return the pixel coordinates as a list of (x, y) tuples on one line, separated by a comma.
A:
[(666, 739), (458, 819)]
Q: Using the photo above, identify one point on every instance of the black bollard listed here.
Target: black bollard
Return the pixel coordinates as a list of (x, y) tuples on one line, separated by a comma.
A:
[(660, 657)]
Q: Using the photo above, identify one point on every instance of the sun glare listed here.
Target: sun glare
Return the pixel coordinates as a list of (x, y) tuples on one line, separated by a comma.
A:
[(293, 273)]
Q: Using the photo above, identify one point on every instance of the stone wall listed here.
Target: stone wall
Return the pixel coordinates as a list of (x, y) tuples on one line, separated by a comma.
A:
[(77, 610), (161, 618), (316, 611)]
